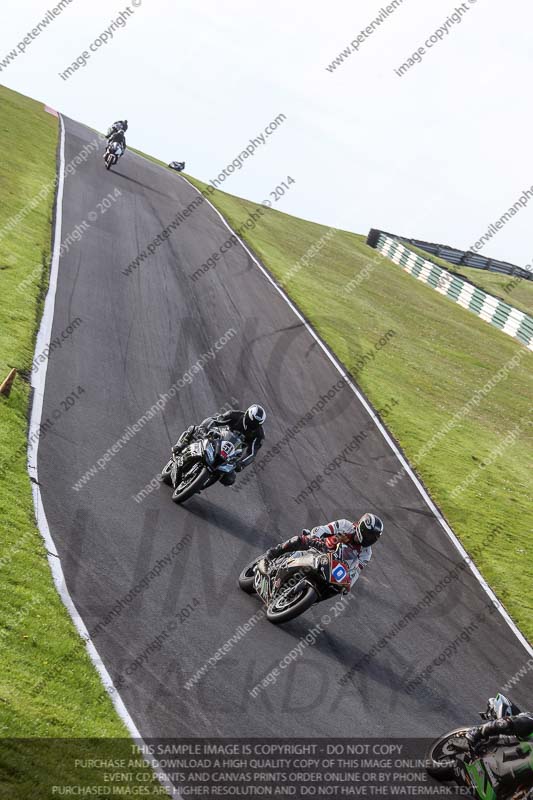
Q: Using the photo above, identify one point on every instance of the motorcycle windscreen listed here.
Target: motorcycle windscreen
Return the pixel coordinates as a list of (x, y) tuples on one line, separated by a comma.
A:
[(301, 558)]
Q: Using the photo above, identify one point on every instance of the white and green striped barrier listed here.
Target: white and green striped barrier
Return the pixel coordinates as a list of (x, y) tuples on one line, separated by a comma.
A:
[(500, 314)]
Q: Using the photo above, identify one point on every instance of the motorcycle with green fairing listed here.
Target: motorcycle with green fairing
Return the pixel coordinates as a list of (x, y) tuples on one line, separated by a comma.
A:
[(484, 769)]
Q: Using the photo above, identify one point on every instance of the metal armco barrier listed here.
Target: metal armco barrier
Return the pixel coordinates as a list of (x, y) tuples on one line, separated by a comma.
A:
[(461, 258), (491, 309)]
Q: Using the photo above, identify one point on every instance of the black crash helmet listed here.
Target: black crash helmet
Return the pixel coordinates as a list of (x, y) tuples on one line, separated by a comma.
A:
[(369, 528)]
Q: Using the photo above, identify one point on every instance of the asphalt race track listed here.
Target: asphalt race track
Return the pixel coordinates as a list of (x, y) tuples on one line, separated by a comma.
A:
[(140, 334)]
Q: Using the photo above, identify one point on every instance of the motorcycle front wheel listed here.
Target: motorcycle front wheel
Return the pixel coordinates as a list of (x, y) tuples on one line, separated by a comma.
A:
[(442, 753), (286, 606), (192, 482)]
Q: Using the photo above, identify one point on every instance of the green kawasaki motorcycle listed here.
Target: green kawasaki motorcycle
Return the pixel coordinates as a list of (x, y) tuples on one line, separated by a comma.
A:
[(492, 771)]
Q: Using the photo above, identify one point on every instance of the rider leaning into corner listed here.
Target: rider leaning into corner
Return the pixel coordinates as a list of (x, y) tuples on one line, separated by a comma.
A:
[(119, 137), (513, 733), (247, 424), (119, 125), (355, 538)]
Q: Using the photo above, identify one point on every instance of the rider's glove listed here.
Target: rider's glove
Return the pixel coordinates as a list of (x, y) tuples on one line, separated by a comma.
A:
[(473, 737), (276, 551)]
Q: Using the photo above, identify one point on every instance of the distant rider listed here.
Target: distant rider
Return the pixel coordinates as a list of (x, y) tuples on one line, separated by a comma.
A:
[(247, 424), (119, 138), (513, 734), (355, 538), (119, 125)]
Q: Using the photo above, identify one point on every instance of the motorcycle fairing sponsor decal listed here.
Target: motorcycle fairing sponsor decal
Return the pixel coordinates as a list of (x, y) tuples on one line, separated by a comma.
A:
[(491, 777), (481, 776), (226, 450), (339, 573)]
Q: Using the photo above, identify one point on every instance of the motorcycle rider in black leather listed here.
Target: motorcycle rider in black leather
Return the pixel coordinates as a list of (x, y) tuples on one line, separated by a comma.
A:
[(512, 763), (118, 136), (247, 424), (119, 125)]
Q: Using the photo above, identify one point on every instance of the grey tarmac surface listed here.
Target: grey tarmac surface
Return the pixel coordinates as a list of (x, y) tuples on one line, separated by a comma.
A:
[(141, 333)]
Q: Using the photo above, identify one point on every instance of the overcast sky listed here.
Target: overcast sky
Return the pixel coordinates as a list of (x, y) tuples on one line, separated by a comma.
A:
[(438, 154)]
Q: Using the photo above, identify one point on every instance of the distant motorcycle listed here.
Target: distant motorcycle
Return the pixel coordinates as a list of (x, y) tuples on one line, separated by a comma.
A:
[(202, 463), (292, 583), (112, 154), (451, 758), (117, 126), (179, 166)]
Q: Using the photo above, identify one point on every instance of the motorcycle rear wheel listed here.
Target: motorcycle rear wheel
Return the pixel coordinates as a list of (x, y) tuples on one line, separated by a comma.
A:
[(441, 761), (189, 486), (303, 601)]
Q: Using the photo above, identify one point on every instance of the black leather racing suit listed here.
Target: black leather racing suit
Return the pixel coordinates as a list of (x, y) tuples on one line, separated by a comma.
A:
[(118, 136), (512, 763), (119, 125), (234, 420)]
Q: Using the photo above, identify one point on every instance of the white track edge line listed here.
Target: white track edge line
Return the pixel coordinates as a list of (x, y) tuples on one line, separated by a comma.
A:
[(422, 491), (38, 385)]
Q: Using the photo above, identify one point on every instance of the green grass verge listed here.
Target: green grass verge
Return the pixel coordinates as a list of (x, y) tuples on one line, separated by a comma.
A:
[(515, 291), (150, 158), (48, 685), (439, 356)]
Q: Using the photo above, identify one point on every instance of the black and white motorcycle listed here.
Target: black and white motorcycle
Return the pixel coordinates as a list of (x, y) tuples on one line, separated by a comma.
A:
[(112, 154), (202, 463)]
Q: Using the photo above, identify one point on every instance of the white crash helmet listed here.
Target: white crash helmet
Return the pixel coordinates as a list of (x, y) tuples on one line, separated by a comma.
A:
[(254, 417), (499, 707)]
